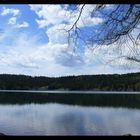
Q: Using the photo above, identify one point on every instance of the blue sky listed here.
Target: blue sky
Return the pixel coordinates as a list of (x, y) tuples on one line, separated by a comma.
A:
[(32, 42)]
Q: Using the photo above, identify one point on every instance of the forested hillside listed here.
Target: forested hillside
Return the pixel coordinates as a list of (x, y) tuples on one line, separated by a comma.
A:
[(114, 82)]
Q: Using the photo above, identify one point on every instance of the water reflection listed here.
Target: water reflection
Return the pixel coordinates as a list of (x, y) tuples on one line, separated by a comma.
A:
[(108, 100), (58, 119)]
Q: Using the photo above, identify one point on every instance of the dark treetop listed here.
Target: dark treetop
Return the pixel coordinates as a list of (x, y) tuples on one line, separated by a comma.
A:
[(114, 82)]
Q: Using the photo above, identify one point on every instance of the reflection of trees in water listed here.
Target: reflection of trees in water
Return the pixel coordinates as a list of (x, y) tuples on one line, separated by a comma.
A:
[(112, 100)]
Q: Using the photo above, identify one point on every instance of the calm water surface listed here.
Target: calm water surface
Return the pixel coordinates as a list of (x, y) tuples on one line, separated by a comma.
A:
[(117, 115)]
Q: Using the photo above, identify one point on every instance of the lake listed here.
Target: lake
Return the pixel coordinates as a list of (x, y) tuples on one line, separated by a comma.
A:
[(42, 113)]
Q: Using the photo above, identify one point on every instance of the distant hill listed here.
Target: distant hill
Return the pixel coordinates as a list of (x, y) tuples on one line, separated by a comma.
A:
[(112, 82)]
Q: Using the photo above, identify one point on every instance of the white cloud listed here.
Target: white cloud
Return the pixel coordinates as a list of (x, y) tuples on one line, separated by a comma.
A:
[(6, 11), (42, 23), (55, 58), (57, 19), (86, 18), (57, 34), (25, 56), (55, 14), (50, 14), (114, 57), (12, 21), (23, 25)]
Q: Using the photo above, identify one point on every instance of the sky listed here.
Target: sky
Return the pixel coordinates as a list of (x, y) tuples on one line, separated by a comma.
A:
[(33, 42)]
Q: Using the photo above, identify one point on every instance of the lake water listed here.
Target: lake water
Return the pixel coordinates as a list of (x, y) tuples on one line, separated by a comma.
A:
[(69, 114)]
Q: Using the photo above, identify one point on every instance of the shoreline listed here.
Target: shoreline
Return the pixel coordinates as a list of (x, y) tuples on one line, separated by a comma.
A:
[(71, 91)]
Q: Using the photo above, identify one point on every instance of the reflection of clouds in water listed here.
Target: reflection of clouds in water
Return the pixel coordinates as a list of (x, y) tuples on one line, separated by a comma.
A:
[(55, 119)]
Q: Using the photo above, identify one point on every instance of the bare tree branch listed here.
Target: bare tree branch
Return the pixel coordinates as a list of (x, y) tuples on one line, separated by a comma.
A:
[(75, 23), (119, 25)]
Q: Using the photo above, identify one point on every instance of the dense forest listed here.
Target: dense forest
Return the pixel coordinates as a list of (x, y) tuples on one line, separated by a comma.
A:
[(112, 82)]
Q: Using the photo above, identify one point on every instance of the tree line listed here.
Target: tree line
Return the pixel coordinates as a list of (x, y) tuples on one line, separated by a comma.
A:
[(114, 82)]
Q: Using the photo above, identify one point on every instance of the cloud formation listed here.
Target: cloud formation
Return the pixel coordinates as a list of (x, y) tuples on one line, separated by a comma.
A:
[(5, 11), (24, 24), (12, 21), (56, 14), (15, 13), (22, 52)]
